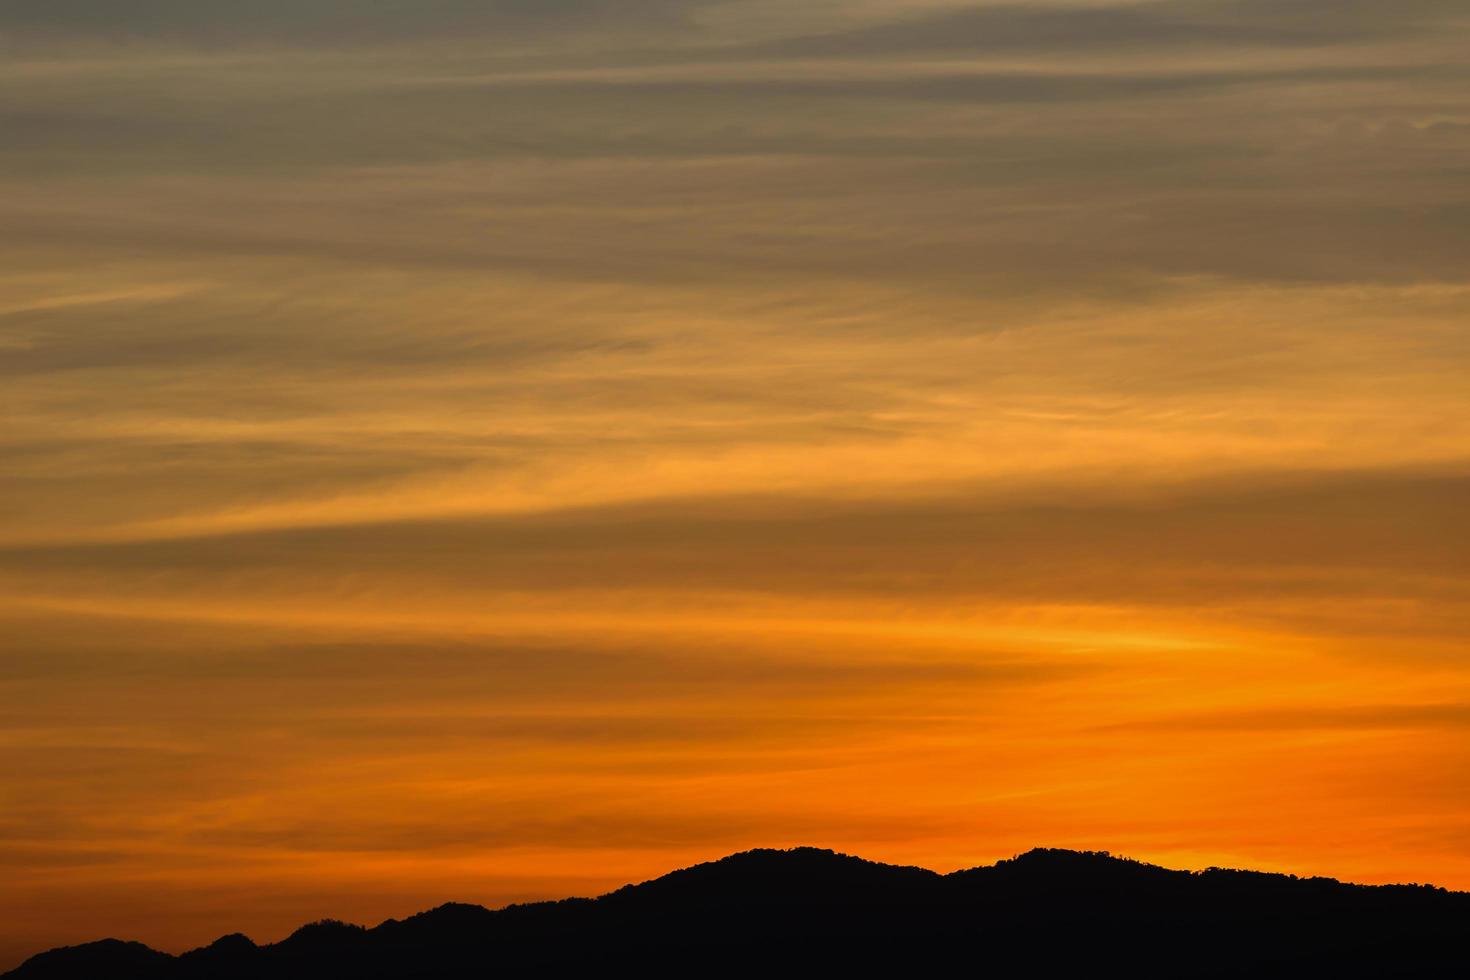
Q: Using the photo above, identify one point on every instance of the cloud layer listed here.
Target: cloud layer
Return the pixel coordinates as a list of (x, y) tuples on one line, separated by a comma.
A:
[(632, 432)]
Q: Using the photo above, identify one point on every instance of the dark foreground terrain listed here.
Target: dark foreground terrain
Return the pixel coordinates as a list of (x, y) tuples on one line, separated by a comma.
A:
[(1045, 913)]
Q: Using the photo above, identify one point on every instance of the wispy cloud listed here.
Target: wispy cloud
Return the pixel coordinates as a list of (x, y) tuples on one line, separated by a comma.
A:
[(329, 22)]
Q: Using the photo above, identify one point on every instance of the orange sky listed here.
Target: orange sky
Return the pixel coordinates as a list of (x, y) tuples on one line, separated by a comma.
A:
[(496, 451)]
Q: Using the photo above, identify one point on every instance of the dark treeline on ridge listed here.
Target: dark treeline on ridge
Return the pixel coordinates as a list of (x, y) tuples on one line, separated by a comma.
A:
[(1046, 912)]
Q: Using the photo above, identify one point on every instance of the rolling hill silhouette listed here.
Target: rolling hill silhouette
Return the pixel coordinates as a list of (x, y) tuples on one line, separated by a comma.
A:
[(1045, 912)]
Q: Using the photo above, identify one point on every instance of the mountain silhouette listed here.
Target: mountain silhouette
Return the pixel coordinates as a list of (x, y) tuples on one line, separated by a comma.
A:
[(1044, 913)]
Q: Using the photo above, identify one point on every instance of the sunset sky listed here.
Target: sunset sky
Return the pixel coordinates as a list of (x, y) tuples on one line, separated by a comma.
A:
[(481, 451)]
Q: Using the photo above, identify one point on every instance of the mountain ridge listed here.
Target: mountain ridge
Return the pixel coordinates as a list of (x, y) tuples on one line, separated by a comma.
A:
[(1045, 910)]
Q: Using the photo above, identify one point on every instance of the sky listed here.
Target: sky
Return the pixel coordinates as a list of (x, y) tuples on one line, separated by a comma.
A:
[(500, 450)]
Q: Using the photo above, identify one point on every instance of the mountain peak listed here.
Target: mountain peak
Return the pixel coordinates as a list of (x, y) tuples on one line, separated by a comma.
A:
[(797, 874), (115, 959), (231, 943), (1060, 858)]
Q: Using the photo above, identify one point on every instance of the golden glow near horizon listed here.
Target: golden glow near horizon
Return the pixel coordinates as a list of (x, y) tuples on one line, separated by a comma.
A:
[(501, 451)]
